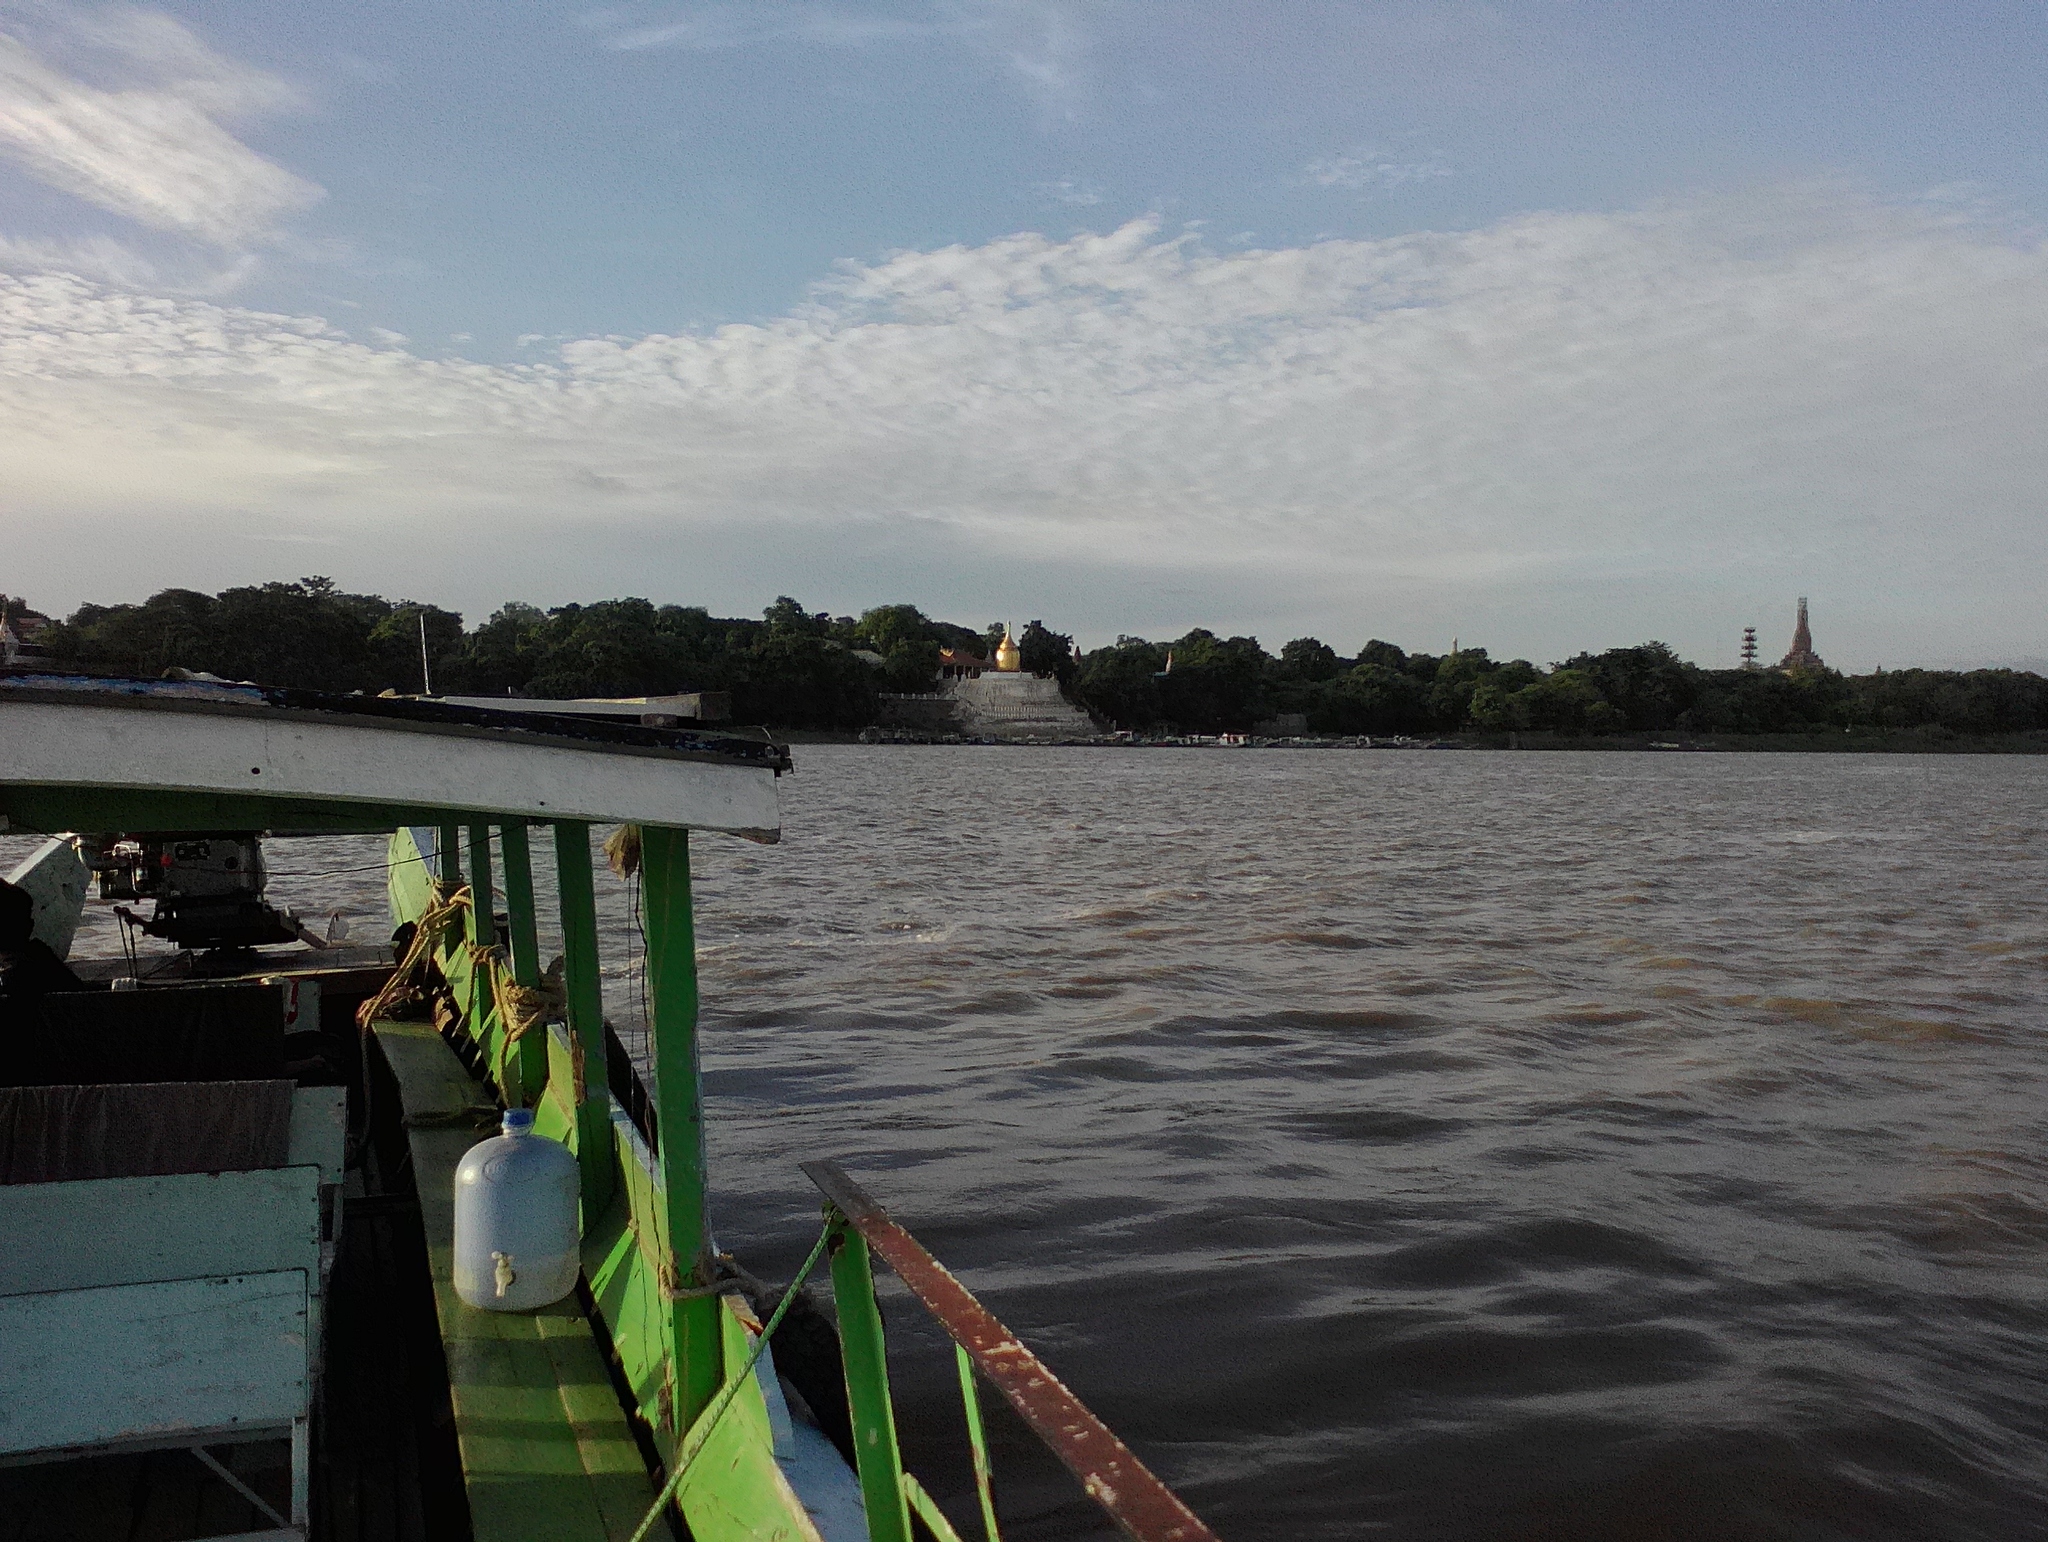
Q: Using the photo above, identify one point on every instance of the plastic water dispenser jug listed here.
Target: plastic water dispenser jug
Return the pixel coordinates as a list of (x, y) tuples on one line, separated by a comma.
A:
[(516, 1235)]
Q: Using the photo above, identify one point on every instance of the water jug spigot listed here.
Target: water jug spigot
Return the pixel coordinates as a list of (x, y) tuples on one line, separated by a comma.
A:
[(505, 1273)]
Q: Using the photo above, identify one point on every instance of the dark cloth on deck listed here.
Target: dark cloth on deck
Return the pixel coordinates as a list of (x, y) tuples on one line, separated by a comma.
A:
[(53, 1134), (31, 969), (28, 966)]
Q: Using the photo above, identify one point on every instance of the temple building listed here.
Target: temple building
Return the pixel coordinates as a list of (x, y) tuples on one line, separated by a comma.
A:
[(990, 700), (1802, 656)]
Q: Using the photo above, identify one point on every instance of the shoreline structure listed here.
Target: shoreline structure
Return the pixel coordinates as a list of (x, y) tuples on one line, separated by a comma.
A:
[(1848, 741)]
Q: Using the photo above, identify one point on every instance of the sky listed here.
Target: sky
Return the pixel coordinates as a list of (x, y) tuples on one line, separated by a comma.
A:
[(1539, 326)]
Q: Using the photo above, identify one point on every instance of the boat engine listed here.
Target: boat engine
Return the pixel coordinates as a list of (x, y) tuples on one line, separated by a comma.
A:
[(208, 889)]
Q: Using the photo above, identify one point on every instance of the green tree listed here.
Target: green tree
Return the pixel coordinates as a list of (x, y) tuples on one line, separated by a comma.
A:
[(884, 627), (1567, 701), (797, 681), (912, 666), (1450, 689), (502, 655), (172, 628), (786, 615), (1310, 659), (1370, 699), (394, 647), (1044, 652), (1494, 707), (1121, 683), (1217, 685), (1386, 656), (1650, 686), (305, 634), (1981, 701), (610, 648)]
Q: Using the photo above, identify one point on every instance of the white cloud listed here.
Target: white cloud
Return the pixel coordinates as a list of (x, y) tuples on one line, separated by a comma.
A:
[(1044, 44), (151, 145), (95, 257), (1575, 413), (1041, 42), (1366, 170), (717, 27), (1069, 191)]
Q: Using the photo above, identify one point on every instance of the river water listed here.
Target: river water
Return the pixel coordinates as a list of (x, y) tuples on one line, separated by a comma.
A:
[(1420, 1145)]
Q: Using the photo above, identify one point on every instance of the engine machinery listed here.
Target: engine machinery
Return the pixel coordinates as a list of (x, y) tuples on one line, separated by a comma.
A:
[(208, 889)]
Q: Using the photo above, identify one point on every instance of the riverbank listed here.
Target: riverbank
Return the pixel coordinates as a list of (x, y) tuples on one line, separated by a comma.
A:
[(1913, 741)]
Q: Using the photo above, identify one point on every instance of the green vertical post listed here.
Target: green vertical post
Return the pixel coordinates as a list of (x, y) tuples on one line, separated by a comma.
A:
[(586, 1016), (480, 927), (522, 931), (448, 849), (686, 1272), (977, 1440), (876, 1455), (523, 939), (483, 925)]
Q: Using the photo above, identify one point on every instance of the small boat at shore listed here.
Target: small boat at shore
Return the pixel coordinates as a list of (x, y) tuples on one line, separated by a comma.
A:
[(228, 1296)]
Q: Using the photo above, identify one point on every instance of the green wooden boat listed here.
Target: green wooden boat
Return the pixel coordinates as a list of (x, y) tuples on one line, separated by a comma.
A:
[(226, 1192)]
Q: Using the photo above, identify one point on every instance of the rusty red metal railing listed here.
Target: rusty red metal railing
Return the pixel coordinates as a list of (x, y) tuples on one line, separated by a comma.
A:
[(1144, 1507)]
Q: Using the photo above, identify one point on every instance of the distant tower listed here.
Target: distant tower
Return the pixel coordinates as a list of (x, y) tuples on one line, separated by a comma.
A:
[(1802, 655), (1749, 647)]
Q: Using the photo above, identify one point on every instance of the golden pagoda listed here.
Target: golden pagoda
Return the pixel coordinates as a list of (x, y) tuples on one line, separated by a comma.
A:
[(1008, 657)]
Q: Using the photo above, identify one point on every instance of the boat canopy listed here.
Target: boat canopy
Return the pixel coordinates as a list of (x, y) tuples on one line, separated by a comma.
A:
[(86, 753)]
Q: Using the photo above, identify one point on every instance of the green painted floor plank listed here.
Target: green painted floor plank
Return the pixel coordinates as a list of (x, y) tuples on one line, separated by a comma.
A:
[(546, 1451)]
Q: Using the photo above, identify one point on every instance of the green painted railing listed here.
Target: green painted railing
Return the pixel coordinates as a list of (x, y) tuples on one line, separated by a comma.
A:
[(647, 1250)]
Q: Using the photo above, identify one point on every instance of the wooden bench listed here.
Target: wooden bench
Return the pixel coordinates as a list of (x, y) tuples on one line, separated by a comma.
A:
[(169, 1310), (546, 1450)]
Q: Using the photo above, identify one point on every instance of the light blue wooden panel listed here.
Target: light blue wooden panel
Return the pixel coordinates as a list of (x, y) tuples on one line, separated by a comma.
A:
[(121, 1231), (319, 1134), (138, 1362)]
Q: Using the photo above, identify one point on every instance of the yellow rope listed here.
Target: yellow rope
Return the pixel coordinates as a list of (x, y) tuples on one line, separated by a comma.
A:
[(622, 850), (433, 923), (521, 1008)]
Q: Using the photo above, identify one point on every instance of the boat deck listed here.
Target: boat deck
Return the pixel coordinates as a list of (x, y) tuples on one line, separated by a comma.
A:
[(546, 1449), (149, 1496)]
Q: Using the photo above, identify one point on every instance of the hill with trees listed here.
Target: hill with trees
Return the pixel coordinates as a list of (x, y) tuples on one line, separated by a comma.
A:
[(792, 668)]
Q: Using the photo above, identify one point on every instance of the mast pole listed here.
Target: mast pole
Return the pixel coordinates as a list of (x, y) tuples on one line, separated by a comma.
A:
[(686, 1269)]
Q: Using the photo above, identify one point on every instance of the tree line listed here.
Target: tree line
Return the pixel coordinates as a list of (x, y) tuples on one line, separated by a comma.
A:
[(794, 668)]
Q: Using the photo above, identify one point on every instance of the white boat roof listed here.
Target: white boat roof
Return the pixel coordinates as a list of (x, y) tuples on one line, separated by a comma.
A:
[(77, 751), (690, 704)]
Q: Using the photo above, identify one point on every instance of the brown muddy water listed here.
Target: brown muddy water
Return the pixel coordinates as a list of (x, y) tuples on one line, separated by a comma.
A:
[(1418, 1146)]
